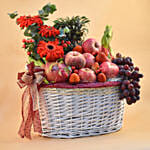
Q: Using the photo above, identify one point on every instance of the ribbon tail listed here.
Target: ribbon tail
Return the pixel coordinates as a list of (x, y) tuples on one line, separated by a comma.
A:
[(37, 122), (27, 114), (35, 100), (29, 121), (21, 129)]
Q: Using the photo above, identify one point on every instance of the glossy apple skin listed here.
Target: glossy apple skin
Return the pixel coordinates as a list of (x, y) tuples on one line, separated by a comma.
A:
[(110, 69), (87, 75), (55, 72), (76, 59), (90, 60), (91, 46)]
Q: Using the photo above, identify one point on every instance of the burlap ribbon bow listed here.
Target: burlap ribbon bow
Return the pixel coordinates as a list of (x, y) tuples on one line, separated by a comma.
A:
[(30, 114)]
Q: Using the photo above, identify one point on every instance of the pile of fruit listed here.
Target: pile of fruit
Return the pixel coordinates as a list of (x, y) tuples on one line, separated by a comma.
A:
[(66, 57)]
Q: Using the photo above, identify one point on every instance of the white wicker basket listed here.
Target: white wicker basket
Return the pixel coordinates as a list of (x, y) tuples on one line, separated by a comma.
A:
[(71, 113)]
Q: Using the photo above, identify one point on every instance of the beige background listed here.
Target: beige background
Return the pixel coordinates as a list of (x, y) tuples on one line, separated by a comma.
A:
[(131, 24)]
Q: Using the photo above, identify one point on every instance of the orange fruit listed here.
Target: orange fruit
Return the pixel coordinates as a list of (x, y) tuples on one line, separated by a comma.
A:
[(95, 66), (74, 78), (78, 48), (101, 77)]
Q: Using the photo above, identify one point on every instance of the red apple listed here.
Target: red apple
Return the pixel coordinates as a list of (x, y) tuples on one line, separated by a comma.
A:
[(76, 59), (91, 46), (90, 59), (110, 69), (87, 75), (57, 72)]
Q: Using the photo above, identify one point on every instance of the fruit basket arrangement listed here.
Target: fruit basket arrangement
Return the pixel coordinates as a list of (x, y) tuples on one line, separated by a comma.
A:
[(74, 87)]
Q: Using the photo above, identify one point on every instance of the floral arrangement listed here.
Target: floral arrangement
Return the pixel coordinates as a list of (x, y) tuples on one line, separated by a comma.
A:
[(65, 56)]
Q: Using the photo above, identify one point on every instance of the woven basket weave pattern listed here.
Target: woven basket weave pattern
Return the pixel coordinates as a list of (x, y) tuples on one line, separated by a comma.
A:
[(70, 113)]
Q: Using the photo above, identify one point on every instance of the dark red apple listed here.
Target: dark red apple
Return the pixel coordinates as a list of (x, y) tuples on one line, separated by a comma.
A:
[(91, 46), (110, 69), (90, 60), (76, 59)]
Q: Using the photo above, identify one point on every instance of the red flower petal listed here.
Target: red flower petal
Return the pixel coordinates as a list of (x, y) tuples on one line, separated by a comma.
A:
[(53, 53)]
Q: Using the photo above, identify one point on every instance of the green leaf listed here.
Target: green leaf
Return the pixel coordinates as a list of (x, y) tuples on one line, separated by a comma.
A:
[(44, 18), (13, 15), (66, 30), (112, 52), (53, 9), (44, 59), (35, 35), (69, 68), (45, 81), (46, 10), (60, 60), (50, 67), (109, 56), (27, 32), (62, 34), (36, 62), (49, 8), (36, 56), (41, 12), (60, 73)]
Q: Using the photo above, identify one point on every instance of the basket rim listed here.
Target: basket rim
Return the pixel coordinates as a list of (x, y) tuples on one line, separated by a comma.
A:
[(81, 85)]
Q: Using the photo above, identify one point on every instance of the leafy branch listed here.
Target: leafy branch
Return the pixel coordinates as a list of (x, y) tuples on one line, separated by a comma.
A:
[(13, 15), (46, 10), (76, 26)]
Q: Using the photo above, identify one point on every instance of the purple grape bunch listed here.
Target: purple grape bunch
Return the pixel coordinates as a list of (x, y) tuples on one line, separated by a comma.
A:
[(130, 87)]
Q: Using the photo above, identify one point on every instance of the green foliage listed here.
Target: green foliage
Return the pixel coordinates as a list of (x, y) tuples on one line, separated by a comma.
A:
[(32, 32), (68, 69), (46, 10), (73, 28), (36, 62), (46, 81), (60, 60), (13, 15), (106, 39), (50, 67)]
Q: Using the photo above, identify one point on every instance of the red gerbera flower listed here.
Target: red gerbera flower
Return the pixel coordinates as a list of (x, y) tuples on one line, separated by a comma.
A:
[(25, 21), (51, 50), (48, 31)]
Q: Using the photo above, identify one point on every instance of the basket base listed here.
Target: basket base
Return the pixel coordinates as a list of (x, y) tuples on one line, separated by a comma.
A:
[(82, 134)]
